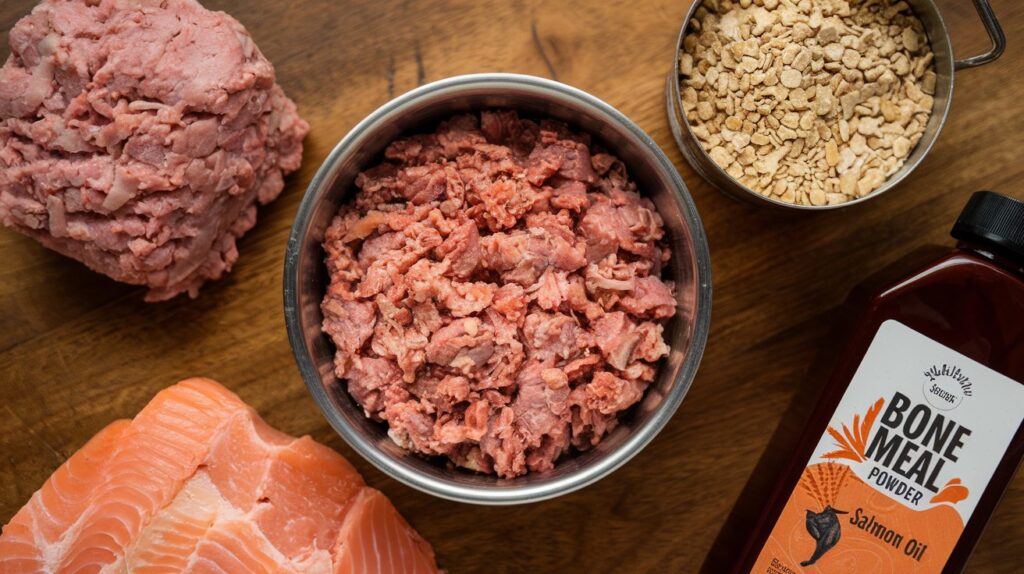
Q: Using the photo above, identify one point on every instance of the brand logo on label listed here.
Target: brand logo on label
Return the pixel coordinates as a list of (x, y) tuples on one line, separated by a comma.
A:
[(946, 386)]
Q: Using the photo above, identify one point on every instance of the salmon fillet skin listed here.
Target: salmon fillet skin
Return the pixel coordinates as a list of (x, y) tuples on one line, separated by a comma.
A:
[(139, 137), (198, 482)]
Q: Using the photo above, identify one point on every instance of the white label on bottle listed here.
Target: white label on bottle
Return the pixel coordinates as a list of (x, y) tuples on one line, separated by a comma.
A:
[(907, 455), (943, 417)]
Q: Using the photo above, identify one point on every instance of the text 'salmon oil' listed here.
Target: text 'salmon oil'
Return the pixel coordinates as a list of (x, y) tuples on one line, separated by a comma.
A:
[(918, 430)]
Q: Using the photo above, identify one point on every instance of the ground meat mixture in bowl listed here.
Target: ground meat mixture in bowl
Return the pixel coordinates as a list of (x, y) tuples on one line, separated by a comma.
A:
[(516, 290), (495, 292)]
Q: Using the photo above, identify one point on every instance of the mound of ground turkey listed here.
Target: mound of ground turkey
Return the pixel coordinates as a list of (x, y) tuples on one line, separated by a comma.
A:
[(139, 137)]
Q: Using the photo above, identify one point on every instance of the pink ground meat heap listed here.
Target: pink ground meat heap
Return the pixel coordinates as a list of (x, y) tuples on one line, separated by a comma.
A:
[(138, 137), (495, 292)]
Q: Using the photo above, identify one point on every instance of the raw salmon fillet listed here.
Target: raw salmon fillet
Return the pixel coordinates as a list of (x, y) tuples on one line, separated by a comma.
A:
[(198, 482)]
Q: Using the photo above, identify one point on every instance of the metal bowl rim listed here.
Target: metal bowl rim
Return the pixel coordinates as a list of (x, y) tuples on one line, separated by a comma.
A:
[(639, 437)]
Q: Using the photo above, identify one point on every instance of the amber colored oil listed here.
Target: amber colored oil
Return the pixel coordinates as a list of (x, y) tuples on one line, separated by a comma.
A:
[(968, 300)]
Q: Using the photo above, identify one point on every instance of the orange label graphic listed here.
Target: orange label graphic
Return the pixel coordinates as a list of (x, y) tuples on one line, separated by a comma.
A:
[(852, 446), (864, 531), (899, 470)]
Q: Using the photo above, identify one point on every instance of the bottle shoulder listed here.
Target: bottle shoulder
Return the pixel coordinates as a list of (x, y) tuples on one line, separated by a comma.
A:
[(963, 300), (957, 269)]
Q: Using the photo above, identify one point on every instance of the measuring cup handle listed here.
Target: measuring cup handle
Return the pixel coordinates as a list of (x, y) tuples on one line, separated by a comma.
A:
[(995, 32)]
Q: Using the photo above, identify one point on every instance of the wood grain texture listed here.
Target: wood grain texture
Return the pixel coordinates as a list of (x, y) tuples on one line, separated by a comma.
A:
[(78, 350)]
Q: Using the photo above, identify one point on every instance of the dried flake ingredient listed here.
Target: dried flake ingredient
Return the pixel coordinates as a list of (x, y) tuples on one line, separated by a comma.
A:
[(812, 103), (495, 293)]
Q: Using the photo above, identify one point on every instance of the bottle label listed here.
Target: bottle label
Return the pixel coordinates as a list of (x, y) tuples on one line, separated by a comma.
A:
[(907, 454)]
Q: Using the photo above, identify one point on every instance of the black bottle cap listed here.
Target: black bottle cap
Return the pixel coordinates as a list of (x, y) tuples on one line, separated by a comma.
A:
[(994, 221)]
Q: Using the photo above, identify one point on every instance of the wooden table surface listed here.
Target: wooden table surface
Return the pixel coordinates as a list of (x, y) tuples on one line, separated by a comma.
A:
[(78, 350)]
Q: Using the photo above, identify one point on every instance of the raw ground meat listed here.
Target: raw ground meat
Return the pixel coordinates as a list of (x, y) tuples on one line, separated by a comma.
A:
[(138, 137), (495, 293)]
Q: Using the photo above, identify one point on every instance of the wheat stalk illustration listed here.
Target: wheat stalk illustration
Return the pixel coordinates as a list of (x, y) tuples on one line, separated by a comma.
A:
[(852, 444), (824, 481)]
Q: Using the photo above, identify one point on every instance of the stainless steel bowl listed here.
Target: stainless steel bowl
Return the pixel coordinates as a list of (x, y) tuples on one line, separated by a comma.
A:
[(938, 36), (421, 109)]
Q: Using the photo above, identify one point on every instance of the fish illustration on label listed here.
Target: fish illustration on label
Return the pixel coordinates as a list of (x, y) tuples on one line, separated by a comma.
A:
[(825, 530), (823, 483)]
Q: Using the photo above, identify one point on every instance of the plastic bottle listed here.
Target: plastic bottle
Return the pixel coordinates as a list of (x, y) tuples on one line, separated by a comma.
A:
[(918, 429)]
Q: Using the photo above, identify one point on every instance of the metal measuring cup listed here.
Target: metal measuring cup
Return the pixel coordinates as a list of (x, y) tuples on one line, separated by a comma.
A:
[(945, 66)]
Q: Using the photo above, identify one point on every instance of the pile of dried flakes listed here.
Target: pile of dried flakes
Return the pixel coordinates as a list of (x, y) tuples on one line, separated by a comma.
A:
[(807, 102)]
